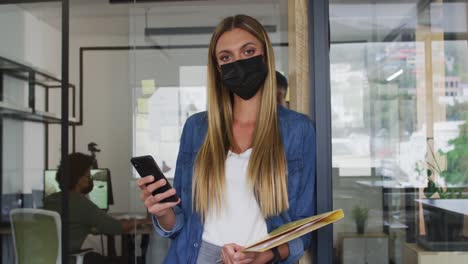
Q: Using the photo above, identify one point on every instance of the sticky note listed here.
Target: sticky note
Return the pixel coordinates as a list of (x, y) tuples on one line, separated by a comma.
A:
[(148, 86), (142, 105)]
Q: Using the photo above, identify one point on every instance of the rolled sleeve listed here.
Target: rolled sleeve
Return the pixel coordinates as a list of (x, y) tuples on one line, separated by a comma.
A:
[(180, 220), (296, 250)]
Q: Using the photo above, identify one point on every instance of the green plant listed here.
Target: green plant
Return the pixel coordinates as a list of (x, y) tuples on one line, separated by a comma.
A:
[(455, 173), (455, 161), (360, 214)]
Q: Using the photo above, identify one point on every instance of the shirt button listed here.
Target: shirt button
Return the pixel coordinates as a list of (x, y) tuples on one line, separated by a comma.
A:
[(195, 244)]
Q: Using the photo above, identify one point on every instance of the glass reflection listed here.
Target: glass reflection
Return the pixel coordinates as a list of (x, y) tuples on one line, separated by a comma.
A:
[(399, 118)]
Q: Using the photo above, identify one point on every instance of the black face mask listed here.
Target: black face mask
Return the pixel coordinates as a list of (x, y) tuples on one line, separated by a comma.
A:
[(244, 77)]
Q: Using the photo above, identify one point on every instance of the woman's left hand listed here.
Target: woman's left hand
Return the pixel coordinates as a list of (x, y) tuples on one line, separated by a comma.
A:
[(231, 254)]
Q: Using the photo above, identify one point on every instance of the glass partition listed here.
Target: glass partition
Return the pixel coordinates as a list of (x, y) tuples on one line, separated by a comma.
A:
[(399, 130), (140, 69), (30, 69), (137, 71)]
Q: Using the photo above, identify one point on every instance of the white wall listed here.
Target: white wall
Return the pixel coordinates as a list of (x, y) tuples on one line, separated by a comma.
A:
[(108, 119), (107, 111)]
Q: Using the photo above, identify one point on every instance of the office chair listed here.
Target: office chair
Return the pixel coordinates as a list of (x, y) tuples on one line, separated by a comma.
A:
[(37, 237)]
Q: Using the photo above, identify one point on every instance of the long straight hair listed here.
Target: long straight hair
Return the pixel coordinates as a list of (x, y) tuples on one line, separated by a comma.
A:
[(267, 170)]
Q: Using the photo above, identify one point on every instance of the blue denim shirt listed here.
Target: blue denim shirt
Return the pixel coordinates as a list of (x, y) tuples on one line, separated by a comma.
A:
[(298, 136)]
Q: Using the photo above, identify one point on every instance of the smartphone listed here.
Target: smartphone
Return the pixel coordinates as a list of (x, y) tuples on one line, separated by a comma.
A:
[(146, 166)]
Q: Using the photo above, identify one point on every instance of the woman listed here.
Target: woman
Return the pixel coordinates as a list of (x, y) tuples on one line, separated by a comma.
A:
[(245, 167)]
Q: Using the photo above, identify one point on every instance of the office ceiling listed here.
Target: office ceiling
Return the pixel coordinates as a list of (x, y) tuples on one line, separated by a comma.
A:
[(350, 20), (98, 16)]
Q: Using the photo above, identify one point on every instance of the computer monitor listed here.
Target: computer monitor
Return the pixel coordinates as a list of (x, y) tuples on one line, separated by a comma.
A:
[(101, 195), (51, 185), (110, 193)]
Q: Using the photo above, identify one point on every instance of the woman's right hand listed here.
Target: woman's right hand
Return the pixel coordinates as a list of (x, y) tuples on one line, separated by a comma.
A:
[(153, 203)]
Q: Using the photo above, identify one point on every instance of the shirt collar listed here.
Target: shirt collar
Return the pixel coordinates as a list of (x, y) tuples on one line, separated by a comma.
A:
[(245, 154)]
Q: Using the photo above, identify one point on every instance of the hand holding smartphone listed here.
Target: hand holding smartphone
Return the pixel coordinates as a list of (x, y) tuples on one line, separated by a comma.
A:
[(146, 166)]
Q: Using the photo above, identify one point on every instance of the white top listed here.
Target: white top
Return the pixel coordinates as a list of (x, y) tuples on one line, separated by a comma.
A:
[(241, 220)]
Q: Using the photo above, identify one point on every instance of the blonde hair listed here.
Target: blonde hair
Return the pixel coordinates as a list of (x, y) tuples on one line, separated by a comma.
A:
[(267, 170)]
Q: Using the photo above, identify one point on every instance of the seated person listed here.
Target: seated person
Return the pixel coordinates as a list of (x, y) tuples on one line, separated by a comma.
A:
[(84, 217), (282, 89)]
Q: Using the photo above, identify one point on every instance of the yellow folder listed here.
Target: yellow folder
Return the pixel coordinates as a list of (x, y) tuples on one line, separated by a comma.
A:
[(290, 231)]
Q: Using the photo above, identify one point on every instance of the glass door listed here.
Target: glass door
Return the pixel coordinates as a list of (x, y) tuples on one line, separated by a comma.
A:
[(399, 130)]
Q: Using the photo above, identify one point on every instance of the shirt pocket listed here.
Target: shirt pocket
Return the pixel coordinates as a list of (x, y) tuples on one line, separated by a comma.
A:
[(295, 170)]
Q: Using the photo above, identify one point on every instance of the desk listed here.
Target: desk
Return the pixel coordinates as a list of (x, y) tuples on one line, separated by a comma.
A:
[(445, 220), (129, 243), (459, 206), (390, 184), (128, 239), (412, 253)]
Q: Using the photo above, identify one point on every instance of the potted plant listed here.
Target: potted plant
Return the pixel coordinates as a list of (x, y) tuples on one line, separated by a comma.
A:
[(360, 215)]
